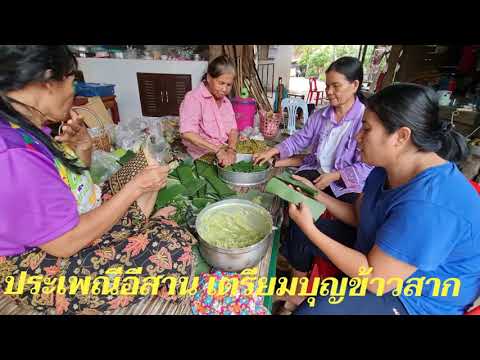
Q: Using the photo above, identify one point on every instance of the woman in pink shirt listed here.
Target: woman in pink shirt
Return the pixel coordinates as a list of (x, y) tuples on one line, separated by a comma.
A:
[(207, 120)]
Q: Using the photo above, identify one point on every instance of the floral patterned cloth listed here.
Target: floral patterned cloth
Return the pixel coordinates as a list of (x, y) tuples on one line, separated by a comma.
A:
[(159, 246), (227, 304)]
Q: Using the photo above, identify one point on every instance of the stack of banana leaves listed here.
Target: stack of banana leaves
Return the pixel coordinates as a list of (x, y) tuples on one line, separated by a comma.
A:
[(192, 186)]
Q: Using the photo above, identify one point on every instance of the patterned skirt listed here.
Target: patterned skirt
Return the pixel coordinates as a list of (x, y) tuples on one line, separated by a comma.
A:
[(157, 246)]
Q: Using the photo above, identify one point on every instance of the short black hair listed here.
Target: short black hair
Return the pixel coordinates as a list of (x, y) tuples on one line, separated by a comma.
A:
[(352, 69)]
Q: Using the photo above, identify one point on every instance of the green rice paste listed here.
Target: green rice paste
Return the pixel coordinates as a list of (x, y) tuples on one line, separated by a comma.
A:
[(231, 230)]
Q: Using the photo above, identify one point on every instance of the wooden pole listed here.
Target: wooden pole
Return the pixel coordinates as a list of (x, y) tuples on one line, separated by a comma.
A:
[(247, 75), (214, 51), (364, 53)]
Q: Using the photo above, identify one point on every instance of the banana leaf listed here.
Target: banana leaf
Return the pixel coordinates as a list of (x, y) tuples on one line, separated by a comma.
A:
[(202, 192), (209, 172), (202, 166), (119, 153), (279, 188), (167, 194), (125, 158), (195, 186), (185, 174), (188, 179), (200, 203), (287, 177), (174, 174)]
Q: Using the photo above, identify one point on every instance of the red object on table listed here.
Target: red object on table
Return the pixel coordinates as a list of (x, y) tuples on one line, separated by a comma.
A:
[(314, 90), (110, 103)]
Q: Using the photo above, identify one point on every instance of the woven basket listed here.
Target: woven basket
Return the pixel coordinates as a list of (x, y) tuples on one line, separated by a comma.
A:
[(270, 126), (100, 137)]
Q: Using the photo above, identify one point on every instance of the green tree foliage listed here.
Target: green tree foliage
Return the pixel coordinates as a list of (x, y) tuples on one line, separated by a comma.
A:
[(316, 58)]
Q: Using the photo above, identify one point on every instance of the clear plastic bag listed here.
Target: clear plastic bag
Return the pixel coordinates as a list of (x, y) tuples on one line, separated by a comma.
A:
[(252, 133), (158, 148), (129, 136), (104, 165), (132, 133)]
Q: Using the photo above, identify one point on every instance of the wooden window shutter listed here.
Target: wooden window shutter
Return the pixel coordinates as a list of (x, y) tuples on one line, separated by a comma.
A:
[(162, 94), (151, 89), (177, 87)]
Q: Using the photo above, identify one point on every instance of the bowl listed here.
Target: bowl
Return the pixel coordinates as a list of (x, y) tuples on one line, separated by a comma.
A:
[(243, 157), (235, 259), (245, 179)]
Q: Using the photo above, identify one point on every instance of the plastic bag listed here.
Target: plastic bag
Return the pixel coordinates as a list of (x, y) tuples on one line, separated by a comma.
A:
[(252, 133), (104, 165), (127, 138), (131, 133), (158, 148)]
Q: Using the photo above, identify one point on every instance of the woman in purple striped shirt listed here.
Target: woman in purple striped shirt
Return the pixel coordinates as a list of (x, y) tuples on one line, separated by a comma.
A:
[(334, 164)]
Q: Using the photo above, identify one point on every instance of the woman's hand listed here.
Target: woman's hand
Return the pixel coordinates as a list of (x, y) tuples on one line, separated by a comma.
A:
[(230, 157), (165, 212), (302, 216), (152, 178), (226, 157), (74, 133), (325, 180), (260, 158), (320, 194), (304, 181)]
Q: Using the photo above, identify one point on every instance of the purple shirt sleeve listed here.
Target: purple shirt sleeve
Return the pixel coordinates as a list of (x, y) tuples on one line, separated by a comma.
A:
[(36, 205), (301, 139), (354, 176)]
